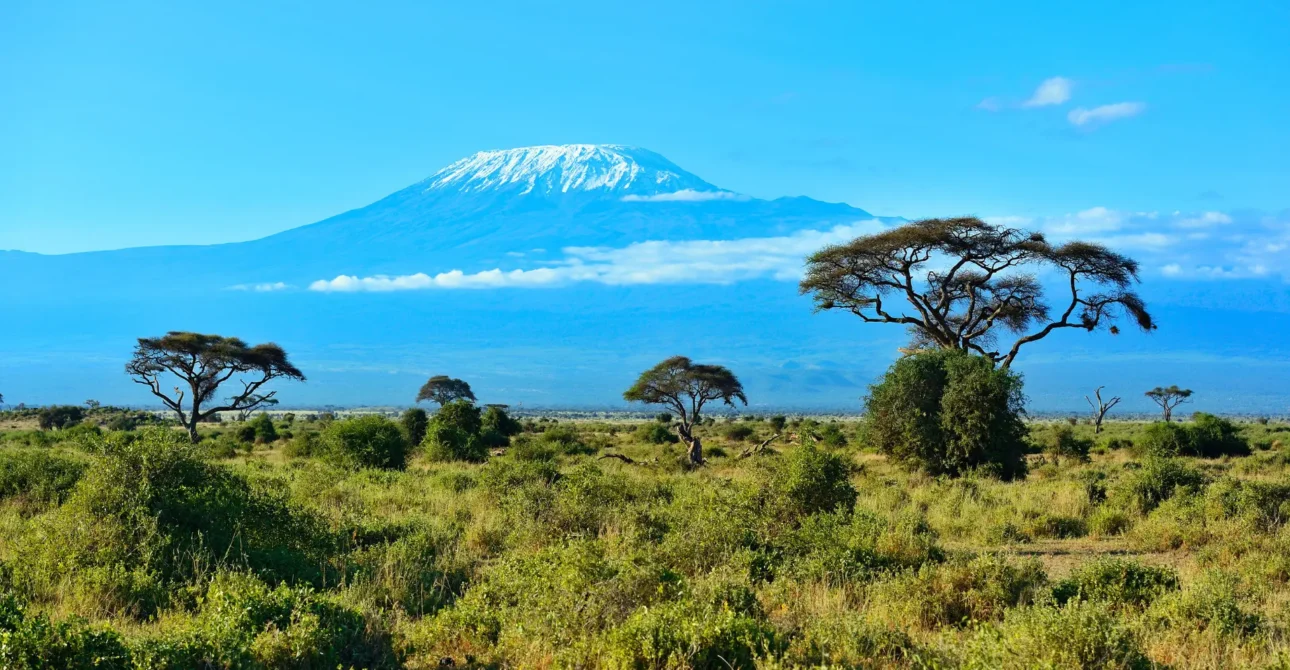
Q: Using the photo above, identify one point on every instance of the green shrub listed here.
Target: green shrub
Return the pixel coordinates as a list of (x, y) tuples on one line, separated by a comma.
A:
[(302, 445), (151, 514), (1210, 603), (808, 481), (526, 448), (1156, 481), (38, 476), (364, 442), (845, 547), (57, 417), (1207, 436), (33, 642), (453, 434), (264, 430), (414, 422), (737, 432), (957, 593), (690, 635), (1212, 437), (243, 623), (1117, 582), (1077, 635), (655, 433), (564, 439), (947, 412), (498, 427), (1063, 443), (778, 423)]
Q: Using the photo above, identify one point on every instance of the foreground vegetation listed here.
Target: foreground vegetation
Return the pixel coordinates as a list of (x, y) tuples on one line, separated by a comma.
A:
[(270, 544)]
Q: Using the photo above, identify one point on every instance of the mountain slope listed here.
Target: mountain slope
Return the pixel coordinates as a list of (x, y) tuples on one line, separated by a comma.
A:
[(476, 214)]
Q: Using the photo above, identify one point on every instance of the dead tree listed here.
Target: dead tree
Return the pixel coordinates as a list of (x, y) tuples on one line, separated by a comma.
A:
[(1100, 408)]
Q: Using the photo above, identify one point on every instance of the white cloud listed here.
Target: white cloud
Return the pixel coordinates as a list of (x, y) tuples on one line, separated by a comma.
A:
[(654, 262), (1105, 113), (1053, 91), (262, 288), (686, 195), (1205, 220), (990, 104)]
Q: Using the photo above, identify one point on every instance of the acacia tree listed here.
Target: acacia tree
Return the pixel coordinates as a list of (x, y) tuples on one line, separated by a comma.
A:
[(203, 363), (966, 281), (444, 389), (1100, 408), (684, 387), (1168, 399)]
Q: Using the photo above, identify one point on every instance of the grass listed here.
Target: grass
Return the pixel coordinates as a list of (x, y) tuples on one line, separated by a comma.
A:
[(821, 554)]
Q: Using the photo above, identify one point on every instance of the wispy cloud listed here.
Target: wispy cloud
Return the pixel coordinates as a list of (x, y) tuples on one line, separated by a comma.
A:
[(654, 262), (1181, 245), (1105, 113), (990, 104), (1053, 91), (686, 195), (262, 288)]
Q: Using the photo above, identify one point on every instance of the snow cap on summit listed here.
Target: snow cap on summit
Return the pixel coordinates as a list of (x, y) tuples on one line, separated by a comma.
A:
[(606, 169)]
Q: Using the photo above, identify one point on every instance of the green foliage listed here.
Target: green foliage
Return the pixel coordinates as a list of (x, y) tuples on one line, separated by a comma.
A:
[(263, 430), (39, 476), (808, 481), (1077, 635), (414, 422), (32, 642), (1064, 443), (947, 412), (152, 514), (564, 439), (1156, 481), (454, 434), (654, 433), (738, 432), (1207, 436), (777, 423), (57, 417), (1117, 582), (498, 427), (369, 441)]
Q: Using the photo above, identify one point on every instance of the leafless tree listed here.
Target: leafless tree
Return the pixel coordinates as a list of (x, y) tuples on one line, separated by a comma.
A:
[(1100, 408)]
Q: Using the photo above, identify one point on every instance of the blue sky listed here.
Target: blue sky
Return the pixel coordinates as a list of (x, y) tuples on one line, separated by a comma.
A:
[(137, 123)]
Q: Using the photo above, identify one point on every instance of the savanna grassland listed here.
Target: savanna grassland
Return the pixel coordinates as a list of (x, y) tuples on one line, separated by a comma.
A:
[(274, 544)]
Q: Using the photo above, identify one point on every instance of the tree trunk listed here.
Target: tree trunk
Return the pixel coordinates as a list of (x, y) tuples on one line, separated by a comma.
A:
[(192, 430), (1097, 425), (1168, 415), (694, 450)]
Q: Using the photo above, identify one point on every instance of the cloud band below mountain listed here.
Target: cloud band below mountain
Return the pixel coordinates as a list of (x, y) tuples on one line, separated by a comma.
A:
[(654, 262)]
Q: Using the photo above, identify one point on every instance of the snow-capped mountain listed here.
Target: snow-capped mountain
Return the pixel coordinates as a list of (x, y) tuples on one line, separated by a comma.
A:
[(489, 210), (600, 169)]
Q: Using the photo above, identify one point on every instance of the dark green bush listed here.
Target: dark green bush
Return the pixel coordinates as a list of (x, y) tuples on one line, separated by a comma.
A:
[(364, 442), (738, 432), (498, 427), (1207, 436), (302, 445), (655, 433), (946, 412), (38, 476), (454, 434), (263, 430), (1116, 581), (1212, 437), (527, 448), (56, 417), (414, 422)]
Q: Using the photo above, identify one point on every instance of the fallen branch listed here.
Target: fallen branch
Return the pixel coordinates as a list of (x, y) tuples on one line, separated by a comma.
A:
[(753, 451), (619, 457)]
